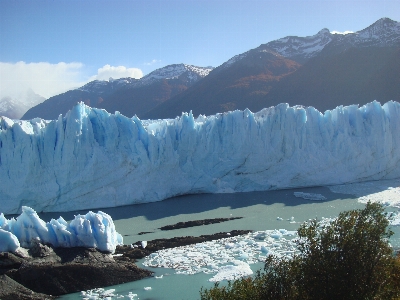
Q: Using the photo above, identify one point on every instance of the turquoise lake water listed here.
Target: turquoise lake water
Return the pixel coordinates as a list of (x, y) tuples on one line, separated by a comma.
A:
[(259, 210)]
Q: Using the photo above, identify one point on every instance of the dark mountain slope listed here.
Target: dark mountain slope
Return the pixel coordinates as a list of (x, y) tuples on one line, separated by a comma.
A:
[(237, 84), (355, 76)]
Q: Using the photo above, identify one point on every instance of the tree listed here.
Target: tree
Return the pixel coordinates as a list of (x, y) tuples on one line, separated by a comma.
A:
[(349, 258)]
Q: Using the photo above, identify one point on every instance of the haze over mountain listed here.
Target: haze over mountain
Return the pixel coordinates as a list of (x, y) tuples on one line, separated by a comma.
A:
[(128, 95), (324, 70), (15, 107)]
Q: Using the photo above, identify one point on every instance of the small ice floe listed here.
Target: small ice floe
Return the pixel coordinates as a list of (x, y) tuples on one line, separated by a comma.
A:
[(394, 218), (231, 272), (386, 192), (159, 277), (144, 244), (98, 293), (147, 288), (279, 218), (310, 196), (131, 295)]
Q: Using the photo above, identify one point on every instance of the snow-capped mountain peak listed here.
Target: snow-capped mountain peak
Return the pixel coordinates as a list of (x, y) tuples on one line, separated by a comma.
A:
[(175, 71), (101, 86), (307, 47), (384, 32), (193, 73)]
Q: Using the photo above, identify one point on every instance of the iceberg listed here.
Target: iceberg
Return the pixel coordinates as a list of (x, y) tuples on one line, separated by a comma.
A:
[(93, 230), (93, 159)]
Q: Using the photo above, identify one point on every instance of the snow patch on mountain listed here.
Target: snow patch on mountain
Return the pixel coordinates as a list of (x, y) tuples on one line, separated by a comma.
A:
[(174, 71), (301, 46), (384, 32), (193, 74)]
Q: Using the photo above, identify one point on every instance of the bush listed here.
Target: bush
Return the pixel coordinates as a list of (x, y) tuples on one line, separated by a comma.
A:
[(348, 259)]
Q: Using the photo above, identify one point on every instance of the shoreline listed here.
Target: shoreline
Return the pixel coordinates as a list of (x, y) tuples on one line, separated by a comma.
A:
[(253, 207)]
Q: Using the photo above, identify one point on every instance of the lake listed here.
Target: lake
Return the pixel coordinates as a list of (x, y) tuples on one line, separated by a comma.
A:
[(259, 211)]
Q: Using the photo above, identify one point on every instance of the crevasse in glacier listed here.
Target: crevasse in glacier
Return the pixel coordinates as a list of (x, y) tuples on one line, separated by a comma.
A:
[(94, 230), (90, 158)]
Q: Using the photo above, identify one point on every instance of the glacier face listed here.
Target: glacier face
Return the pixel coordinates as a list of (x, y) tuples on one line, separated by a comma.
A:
[(91, 159)]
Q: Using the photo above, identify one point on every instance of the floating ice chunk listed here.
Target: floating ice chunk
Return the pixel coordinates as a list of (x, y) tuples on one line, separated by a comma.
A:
[(260, 236), (243, 256), (310, 196), (276, 235), (229, 245), (131, 295), (279, 218), (147, 288), (291, 220), (231, 272)]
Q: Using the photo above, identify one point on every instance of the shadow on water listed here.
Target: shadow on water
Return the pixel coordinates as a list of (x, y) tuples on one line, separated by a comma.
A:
[(198, 203)]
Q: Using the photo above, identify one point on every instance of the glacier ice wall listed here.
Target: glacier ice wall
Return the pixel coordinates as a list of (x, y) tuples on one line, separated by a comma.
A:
[(91, 159), (93, 230)]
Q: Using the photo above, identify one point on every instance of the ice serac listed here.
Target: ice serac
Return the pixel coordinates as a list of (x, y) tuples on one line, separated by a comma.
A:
[(93, 230), (91, 159)]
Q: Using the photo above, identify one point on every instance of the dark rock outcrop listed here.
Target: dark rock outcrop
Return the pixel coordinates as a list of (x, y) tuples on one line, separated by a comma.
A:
[(47, 271), (136, 251), (197, 223)]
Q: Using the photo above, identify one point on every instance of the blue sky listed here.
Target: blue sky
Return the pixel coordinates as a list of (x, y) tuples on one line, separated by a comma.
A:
[(55, 45)]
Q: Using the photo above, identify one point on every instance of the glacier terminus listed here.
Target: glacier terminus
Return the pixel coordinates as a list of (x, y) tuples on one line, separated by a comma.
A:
[(90, 158)]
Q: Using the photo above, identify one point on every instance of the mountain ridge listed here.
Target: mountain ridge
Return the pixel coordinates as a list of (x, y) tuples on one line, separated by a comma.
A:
[(173, 78), (250, 79), (323, 54)]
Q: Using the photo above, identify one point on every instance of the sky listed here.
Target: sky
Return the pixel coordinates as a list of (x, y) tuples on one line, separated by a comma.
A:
[(52, 46)]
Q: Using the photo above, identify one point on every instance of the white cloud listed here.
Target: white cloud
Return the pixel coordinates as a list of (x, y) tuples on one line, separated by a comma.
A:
[(43, 78), (344, 32), (108, 71), (47, 80), (154, 61)]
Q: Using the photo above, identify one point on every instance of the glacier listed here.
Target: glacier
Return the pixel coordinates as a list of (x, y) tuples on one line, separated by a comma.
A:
[(93, 159), (93, 230)]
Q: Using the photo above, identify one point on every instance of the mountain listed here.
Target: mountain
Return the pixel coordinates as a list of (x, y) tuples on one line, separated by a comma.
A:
[(237, 84), (90, 158), (14, 107), (324, 71), (127, 95)]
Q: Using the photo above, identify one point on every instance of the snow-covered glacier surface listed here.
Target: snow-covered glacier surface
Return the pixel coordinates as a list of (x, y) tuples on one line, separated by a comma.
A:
[(90, 158), (95, 230)]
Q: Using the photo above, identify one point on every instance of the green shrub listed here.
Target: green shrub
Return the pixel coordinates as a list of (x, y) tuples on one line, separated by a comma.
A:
[(348, 259)]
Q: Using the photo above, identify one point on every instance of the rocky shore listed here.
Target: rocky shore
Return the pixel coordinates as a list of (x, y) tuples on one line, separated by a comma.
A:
[(45, 272)]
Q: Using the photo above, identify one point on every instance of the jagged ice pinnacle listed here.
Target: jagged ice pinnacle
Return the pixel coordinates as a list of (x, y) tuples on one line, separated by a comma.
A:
[(91, 159)]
